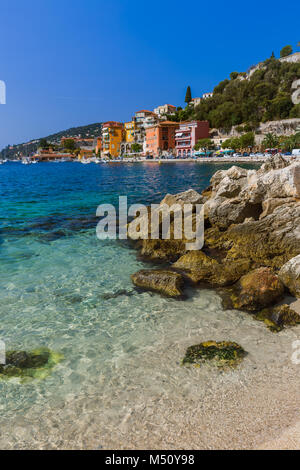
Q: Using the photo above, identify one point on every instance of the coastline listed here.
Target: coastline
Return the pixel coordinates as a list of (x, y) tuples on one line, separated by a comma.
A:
[(206, 160)]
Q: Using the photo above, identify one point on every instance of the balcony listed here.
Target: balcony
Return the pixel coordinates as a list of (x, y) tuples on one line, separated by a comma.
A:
[(183, 137), (183, 145)]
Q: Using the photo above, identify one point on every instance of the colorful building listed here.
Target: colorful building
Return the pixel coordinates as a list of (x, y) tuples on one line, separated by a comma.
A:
[(51, 155), (160, 138), (98, 147), (165, 109), (130, 128), (188, 135), (144, 119), (112, 137)]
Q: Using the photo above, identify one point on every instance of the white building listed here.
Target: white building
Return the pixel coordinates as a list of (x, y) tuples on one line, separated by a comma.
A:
[(165, 109), (196, 101), (207, 95)]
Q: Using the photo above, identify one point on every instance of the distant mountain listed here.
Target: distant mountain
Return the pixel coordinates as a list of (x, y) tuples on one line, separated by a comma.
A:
[(25, 149)]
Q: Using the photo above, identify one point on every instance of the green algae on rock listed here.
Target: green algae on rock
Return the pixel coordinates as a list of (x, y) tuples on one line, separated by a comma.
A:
[(36, 364), (165, 281), (277, 318), (223, 354)]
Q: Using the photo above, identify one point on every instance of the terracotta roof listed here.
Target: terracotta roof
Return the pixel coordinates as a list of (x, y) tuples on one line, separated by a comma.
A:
[(144, 111)]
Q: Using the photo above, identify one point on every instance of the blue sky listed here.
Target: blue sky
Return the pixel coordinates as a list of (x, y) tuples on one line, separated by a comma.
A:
[(75, 62)]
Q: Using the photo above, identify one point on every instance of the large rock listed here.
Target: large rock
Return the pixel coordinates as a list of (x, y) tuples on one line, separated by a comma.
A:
[(270, 241), (162, 248), (290, 275), (238, 194), (166, 282), (256, 290), (199, 267)]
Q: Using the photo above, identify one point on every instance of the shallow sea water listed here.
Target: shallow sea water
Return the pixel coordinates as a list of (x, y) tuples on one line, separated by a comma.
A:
[(120, 383)]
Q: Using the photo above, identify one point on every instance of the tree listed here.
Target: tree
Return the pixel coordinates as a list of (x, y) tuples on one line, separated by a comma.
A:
[(291, 142), (44, 144), (234, 75), (273, 55), (69, 144), (136, 148), (205, 144), (188, 95), (285, 51), (270, 141), (247, 140), (234, 143)]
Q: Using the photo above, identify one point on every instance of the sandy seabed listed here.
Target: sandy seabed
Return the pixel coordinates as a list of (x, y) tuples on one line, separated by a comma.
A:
[(156, 404)]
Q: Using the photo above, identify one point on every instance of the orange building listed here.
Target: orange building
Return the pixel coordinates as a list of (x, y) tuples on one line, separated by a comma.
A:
[(161, 138), (98, 145), (112, 137)]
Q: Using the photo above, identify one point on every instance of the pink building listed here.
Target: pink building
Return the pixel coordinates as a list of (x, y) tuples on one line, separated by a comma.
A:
[(188, 135)]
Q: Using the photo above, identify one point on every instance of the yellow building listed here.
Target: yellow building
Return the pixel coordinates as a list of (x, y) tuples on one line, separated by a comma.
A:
[(130, 128), (112, 136)]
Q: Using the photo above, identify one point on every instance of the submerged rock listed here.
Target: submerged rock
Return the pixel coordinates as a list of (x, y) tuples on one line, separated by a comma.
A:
[(166, 282), (28, 365), (223, 354), (255, 290), (290, 275), (277, 318)]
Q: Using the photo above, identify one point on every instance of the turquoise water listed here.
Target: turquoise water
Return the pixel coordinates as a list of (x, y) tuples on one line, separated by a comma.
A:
[(64, 289)]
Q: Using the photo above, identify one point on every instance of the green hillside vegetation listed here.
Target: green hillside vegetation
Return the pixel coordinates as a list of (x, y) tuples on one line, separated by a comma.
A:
[(53, 140), (265, 96)]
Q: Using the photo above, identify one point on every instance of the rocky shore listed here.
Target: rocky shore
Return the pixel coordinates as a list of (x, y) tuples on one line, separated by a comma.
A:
[(251, 251)]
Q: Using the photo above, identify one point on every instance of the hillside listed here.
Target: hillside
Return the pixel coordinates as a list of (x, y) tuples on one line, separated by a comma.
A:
[(264, 94), (88, 131)]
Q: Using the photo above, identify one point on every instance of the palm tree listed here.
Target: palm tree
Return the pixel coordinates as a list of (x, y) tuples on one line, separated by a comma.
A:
[(270, 141)]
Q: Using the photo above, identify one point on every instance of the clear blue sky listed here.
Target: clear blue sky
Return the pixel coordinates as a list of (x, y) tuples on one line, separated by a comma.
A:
[(75, 62)]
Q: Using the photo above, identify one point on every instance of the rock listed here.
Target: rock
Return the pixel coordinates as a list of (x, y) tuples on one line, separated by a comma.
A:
[(223, 354), (187, 197), (290, 275), (284, 182), (256, 290), (270, 204), (276, 162), (238, 194), (277, 318), (29, 365), (271, 241), (150, 245), (166, 282), (199, 267)]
